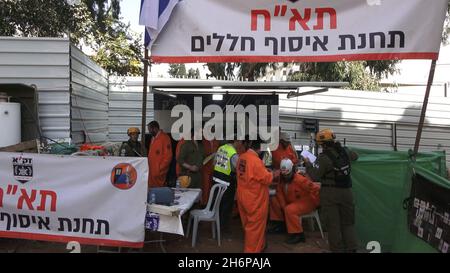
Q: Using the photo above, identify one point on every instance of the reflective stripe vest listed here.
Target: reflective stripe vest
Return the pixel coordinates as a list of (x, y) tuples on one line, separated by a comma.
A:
[(223, 159)]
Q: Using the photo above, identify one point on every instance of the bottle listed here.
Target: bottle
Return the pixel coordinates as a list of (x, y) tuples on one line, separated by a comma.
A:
[(123, 152), (152, 198), (178, 184)]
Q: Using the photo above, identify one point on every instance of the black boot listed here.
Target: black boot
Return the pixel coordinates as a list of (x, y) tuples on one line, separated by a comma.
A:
[(296, 238), (277, 227)]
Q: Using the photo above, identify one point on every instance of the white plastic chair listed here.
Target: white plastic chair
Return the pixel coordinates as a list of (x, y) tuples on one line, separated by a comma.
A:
[(315, 215), (208, 214)]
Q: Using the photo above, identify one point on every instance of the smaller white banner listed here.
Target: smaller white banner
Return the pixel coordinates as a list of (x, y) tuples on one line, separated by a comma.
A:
[(92, 200)]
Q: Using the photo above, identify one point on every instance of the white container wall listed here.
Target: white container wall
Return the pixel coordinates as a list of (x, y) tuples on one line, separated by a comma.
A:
[(43, 62), (72, 89), (10, 123)]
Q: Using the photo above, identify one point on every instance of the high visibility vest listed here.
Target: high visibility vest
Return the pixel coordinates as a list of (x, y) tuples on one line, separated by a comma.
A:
[(223, 159)]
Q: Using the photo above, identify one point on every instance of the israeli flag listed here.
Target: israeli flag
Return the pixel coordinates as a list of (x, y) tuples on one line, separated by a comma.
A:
[(154, 15)]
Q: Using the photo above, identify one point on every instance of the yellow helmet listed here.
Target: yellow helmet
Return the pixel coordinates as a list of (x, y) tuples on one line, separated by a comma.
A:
[(185, 181), (134, 130), (325, 135)]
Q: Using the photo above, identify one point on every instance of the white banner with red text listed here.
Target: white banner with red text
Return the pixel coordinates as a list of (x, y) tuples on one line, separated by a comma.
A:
[(300, 31), (92, 200)]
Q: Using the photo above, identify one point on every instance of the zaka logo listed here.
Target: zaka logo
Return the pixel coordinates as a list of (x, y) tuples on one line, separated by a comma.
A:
[(23, 169)]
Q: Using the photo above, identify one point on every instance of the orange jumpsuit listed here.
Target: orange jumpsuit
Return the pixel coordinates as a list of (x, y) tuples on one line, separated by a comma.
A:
[(177, 153), (293, 200), (210, 147), (159, 158), (253, 180), (280, 153)]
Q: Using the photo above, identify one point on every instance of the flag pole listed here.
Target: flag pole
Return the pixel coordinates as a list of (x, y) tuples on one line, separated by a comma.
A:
[(144, 101), (424, 107)]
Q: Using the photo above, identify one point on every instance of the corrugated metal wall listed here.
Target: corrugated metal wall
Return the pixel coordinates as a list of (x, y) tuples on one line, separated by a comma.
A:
[(43, 62), (370, 119), (125, 107), (89, 99)]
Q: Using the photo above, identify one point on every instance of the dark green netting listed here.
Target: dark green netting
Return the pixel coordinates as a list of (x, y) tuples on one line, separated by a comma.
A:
[(381, 182)]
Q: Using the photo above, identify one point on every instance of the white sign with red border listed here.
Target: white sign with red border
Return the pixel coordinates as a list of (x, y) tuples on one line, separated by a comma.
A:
[(92, 200), (300, 31)]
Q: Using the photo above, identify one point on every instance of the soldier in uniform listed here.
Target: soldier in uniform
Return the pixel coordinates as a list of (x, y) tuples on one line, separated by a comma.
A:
[(336, 197), (132, 147)]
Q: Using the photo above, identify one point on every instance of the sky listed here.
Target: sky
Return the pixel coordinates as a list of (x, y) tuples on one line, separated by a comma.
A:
[(411, 71), (130, 13)]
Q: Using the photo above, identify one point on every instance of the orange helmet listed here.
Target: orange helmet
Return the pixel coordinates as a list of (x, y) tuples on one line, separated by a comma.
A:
[(185, 181), (134, 130), (325, 135)]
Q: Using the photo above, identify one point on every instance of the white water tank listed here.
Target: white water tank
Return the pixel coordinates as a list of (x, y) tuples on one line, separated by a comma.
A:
[(9, 123)]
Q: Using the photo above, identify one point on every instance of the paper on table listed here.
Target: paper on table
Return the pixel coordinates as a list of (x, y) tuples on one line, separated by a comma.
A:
[(310, 156)]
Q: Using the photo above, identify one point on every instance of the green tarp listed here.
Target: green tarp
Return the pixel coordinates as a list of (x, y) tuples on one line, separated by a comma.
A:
[(381, 183)]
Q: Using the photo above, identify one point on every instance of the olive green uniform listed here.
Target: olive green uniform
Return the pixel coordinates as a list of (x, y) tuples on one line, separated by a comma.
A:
[(131, 149), (193, 155), (337, 204)]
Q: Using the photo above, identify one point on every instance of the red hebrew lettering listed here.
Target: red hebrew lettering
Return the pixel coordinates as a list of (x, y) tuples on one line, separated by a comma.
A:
[(266, 14), (332, 15), (29, 200), (52, 195), (297, 17)]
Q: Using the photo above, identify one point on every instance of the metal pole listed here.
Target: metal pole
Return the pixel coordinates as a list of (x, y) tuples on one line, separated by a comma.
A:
[(144, 102), (424, 107)]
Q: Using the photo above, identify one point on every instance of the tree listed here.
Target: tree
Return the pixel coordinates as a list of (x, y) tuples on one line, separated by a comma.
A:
[(446, 32), (247, 71), (43, 18), (118, 49), (193, 73), (353, 72), (95, 23), (101, 11), (177, 70)]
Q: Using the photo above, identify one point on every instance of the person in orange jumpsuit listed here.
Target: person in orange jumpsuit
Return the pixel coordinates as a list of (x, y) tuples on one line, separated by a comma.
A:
[(210, 147), (284, 150), (159, 156), (177, 153), (253, 196), (296, 196)]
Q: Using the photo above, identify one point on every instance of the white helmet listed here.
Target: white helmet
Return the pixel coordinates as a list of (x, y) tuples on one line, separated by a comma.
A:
[(286, 166)]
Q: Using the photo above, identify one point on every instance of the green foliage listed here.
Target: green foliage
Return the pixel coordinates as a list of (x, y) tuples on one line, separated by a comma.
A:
[(95, 23), (118, 51), (248, 71), (193, 73), (446, 32), (361, 75), (43, 18), (221, 70), (177, 70)]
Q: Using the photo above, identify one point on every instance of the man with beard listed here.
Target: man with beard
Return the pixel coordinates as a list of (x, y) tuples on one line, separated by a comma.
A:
[(159, 156)]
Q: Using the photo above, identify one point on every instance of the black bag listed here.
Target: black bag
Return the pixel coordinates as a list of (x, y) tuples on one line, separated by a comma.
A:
[(342, 168)]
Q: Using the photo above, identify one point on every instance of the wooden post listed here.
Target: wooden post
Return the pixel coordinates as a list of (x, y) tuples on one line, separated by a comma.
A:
[(144, 103), (424, 107)]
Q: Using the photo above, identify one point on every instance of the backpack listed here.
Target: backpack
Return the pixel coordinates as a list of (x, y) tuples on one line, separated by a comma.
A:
[(342, 168)]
